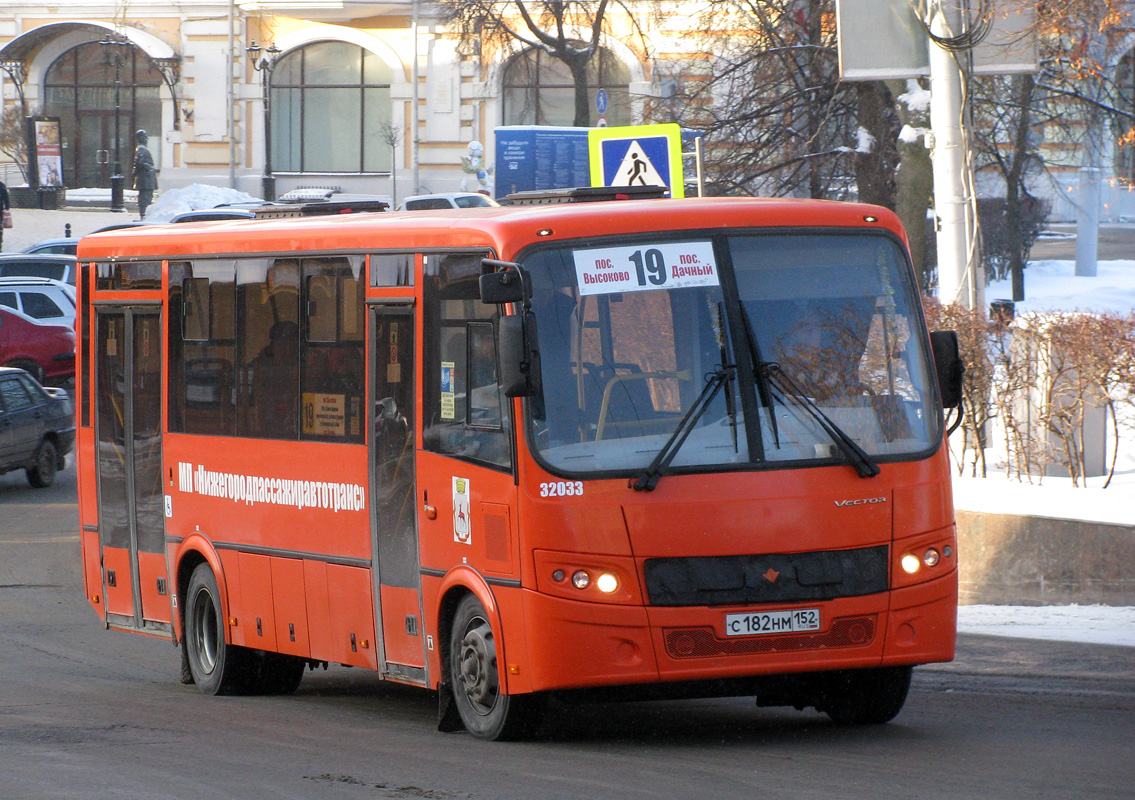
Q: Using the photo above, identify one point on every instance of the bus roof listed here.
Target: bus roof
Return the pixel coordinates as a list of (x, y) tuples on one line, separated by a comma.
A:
[(506, 229)]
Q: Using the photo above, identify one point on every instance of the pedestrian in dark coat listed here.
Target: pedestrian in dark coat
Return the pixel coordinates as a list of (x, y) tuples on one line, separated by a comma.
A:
[(145, 176)]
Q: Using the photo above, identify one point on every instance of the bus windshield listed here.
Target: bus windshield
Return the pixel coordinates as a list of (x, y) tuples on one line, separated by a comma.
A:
[(730, 351)]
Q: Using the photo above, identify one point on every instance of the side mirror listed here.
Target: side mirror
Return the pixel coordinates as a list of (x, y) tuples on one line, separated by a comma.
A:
[(949, 365), (519, 356), (508, 283)]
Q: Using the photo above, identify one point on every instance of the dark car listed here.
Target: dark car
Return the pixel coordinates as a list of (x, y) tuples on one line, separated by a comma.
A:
[(38, 265), (37, 427), (47, 352), (64, 245)]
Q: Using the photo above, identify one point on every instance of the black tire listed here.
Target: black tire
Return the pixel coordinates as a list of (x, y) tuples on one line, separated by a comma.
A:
[(217, 667), (42, 472), (865, 696), (485, 711)]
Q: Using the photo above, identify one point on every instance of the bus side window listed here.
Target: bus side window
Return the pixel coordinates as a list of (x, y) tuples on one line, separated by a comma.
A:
[(202, 347), (465, 412), (331, 390), (269, 348)]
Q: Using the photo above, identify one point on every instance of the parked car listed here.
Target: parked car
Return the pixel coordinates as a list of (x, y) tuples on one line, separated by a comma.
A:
[(37, 427), (47, 352), (39, 265), (64, 246), (46, 301), (423, 202)]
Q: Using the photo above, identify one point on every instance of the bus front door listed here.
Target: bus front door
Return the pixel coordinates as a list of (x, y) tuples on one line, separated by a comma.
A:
[(393, 489), (131, 512)]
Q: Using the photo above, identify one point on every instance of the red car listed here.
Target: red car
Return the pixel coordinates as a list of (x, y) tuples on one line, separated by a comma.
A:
[(45, 351)]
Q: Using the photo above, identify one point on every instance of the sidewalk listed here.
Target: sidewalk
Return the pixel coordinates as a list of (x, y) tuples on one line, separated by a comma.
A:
[(31, 225)]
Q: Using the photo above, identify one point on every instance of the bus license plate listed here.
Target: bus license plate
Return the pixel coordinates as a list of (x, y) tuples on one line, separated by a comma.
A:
[(789, 621)]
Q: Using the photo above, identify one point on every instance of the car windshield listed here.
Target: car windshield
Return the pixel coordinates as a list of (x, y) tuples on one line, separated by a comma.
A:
[(31, 268), (631, 333)]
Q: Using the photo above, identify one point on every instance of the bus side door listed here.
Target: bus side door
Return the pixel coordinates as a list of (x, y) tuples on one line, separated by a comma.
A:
[(128, 405), (393, 489)]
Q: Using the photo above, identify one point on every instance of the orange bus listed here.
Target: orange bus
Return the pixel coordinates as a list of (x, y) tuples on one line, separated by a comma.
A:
[(661, 448)]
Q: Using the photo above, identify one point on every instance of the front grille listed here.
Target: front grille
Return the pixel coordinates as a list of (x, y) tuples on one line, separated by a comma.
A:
[(768, 578), (704, 643)]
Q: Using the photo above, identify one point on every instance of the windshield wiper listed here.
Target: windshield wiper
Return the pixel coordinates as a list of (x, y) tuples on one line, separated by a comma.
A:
[(649, 478), (759, 376), (864, 465)]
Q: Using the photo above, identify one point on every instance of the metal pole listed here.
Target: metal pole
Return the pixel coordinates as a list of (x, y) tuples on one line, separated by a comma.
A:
[(117, 200), (268, 181), (1091, 185), (951, 201), (231, 94), (414, 103)]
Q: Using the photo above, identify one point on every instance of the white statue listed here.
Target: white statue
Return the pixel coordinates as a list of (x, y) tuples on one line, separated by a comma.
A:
[(476, 172)]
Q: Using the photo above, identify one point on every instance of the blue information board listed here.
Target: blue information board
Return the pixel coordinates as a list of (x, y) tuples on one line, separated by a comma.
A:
[(538, 157)]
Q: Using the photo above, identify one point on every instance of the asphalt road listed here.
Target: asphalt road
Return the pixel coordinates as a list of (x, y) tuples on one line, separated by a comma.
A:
[(88, 713)]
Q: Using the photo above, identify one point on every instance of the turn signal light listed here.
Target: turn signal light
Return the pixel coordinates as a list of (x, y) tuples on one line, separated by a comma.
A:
[(580, 580)]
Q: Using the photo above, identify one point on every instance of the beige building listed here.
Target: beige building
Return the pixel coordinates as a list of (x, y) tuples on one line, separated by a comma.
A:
[(363, 95)]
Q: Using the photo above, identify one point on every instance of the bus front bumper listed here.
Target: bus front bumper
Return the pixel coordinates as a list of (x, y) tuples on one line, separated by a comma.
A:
[(572, 644)]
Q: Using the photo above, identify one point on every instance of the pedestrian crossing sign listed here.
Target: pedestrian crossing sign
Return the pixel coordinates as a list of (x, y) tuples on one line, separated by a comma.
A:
[(637, 155)]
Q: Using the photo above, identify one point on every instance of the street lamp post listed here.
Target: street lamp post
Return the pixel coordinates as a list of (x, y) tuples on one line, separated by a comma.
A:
[(114, 47), (264, 64)]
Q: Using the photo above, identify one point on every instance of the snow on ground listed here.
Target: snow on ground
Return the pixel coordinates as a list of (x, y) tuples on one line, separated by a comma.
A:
[(1089, 624), (1054, 286)]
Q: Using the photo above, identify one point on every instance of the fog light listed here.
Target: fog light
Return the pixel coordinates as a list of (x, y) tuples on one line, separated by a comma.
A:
[(930, 557), (607, 583), (910, 563), (581, 580)]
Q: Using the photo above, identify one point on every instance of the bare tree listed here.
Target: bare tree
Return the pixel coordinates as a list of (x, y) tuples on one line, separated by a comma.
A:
[(776, 119), (1015, 115), (567, 30), (13, 137)]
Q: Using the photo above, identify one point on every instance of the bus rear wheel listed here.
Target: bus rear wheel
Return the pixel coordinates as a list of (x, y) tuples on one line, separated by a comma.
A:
[(485, 710), (217, 667), (865, 696)]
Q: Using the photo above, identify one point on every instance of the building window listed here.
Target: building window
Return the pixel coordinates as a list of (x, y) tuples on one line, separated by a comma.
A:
[(330, 102), (539, 90)]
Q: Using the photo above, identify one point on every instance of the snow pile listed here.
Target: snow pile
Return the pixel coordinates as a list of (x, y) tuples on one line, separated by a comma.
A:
[(193, 197), (1088, 624)]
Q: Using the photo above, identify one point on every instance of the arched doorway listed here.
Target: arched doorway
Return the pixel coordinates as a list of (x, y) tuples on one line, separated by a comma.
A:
[(538, 89), (79, 88)]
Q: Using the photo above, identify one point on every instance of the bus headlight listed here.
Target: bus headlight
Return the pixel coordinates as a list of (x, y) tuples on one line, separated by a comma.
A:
[(607, 583), (910, 563), (930, 558), (580, 580)]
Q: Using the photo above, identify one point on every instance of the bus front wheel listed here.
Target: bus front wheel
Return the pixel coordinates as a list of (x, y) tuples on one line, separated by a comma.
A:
[(485, 710), (865, 696), (217, 667)]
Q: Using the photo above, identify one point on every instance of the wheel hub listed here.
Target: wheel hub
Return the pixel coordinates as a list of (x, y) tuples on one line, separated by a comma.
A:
[(478, 667)]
